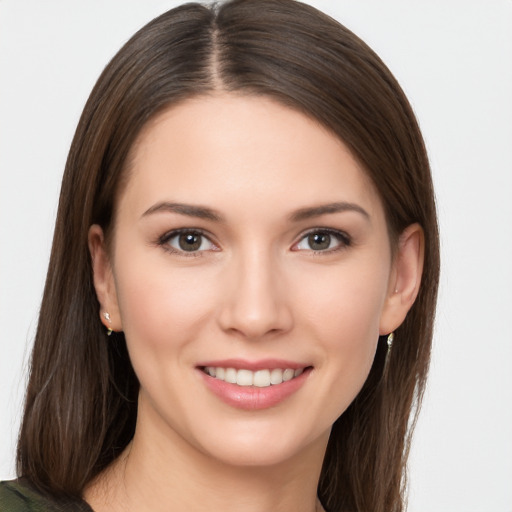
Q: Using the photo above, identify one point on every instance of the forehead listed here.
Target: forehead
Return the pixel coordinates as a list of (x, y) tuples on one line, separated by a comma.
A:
[(228, 150)]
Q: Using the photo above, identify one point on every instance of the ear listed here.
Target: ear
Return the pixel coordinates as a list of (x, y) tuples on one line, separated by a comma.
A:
[(103, 279), (405, 279)]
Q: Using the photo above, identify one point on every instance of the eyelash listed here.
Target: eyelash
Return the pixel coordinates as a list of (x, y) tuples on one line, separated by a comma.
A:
[(343, 239), (164, 240)]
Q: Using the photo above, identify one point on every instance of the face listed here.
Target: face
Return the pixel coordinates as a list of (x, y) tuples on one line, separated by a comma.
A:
[(251, 273)]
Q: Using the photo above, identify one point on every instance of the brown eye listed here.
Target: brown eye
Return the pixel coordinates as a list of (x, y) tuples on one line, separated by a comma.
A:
[(188, 242), (319, 241), (322, 240)]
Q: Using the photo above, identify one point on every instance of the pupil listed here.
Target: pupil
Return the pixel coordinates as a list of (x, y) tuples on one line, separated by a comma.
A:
[(319, 241), (190, 242)]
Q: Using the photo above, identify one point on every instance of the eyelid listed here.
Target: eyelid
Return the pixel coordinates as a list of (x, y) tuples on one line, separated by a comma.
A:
[(344, 239), (163, 241)]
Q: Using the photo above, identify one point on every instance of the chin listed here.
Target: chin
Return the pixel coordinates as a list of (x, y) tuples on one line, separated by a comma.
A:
[(263, 447)]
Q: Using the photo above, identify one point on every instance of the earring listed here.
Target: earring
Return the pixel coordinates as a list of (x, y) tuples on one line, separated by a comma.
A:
[(389, 342), (107, 318), (391, 338)]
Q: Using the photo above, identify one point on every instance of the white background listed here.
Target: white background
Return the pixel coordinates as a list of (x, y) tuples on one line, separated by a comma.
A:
[(454, 60)]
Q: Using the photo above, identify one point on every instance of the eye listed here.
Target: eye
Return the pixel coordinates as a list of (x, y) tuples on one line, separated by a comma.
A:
[(322, 240), (188, 241)]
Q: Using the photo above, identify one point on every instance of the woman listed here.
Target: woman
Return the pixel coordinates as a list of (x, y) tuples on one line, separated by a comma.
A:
[(239, 304)]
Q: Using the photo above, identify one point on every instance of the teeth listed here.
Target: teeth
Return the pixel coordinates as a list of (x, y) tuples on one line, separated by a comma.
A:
[(276, 376), (259, 378), (244, 378), (288, 374), (230, 375)]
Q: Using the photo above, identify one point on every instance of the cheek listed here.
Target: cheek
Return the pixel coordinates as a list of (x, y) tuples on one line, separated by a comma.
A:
[(346, 305), (342, 312), (161, 308)]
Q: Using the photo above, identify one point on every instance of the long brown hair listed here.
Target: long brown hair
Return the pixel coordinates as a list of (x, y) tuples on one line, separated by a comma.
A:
[(81, 400)]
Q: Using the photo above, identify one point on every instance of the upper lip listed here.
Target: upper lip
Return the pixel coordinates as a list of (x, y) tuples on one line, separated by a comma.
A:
[(260, 364)]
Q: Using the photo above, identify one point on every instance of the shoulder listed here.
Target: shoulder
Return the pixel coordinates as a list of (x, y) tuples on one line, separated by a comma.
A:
[(14, 497), (20, 496)]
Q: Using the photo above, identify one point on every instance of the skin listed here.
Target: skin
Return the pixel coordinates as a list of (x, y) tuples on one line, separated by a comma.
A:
[(256, 289)]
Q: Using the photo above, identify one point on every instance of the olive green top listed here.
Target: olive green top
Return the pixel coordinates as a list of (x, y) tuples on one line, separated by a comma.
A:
[(20, 496)]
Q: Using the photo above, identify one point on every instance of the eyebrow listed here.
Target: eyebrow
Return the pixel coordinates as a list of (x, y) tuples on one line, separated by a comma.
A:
[(200, 212), (203, 212), (317, 211)]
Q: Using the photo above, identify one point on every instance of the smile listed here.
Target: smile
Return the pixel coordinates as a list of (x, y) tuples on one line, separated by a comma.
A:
[(259, 378)]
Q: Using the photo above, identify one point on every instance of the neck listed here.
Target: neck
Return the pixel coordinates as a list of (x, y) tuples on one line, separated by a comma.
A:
[(160, 472)]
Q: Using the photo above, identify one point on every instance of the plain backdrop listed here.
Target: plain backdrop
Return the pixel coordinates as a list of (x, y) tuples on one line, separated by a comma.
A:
[(454, 60)]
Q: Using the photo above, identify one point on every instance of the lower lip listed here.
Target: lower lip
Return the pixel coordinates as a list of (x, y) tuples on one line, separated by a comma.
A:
[(252, 397)]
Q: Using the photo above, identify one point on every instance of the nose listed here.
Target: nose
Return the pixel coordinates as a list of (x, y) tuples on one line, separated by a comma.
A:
[(255, 302)]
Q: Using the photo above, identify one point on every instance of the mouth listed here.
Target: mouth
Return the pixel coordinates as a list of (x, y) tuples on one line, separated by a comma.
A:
[(261, 378), (254, 385)]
